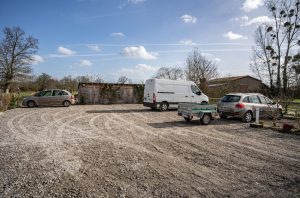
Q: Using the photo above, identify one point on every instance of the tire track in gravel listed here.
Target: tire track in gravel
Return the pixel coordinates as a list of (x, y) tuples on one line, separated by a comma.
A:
[(62, 128), (205, 172), (208, 135), (218, 135), (48, 132), (237, 147), (18, 132)]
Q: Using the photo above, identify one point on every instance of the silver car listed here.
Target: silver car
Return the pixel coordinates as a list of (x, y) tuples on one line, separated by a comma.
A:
[(244, 105), (53, 97)]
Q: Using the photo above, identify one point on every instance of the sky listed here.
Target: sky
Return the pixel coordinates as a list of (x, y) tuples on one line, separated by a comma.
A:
[(113, 38)]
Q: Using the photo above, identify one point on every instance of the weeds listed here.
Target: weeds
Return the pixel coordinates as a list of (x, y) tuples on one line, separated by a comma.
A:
[(9, 101)]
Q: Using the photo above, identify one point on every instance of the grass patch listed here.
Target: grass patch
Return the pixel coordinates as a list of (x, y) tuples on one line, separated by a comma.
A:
[(296, 100), (26, 93)]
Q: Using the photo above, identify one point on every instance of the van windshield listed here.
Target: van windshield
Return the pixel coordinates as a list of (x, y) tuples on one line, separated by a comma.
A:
[(231, 98)]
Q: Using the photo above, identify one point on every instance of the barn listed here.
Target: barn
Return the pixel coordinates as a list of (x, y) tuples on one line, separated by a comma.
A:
[(110, 93), (220, 86)]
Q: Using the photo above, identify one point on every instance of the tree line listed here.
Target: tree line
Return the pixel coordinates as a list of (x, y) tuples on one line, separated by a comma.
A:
[(198, 69)]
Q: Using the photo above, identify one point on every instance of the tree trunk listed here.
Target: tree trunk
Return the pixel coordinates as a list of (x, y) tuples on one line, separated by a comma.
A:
[(6, 87), (284, 72)]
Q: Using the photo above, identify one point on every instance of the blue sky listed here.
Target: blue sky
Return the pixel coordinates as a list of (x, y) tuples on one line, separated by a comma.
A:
[(135, 37)]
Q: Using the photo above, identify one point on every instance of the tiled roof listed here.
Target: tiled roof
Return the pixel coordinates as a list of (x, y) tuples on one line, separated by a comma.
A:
[(232, 78)]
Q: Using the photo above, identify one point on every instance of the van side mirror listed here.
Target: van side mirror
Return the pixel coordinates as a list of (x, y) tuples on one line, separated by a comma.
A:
[(198, 93)]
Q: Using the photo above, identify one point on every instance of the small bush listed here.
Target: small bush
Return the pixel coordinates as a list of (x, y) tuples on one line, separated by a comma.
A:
[(9, 101), (14, 101)]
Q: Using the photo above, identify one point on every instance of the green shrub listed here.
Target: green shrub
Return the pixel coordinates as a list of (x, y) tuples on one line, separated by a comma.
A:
[(9, 101)]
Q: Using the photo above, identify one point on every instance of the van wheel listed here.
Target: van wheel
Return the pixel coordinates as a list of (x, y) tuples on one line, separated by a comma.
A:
[(206, 119), (247, 117), (153, 108), (163, 106), (30, 104), (66, 103), (204, 102)]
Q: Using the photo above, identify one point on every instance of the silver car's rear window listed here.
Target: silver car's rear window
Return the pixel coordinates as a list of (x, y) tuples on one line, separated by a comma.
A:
[(231, 98)]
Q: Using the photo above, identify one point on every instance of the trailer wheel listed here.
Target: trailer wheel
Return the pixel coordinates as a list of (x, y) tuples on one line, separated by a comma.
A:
[(206, 119), (163, 106), (188, 119)]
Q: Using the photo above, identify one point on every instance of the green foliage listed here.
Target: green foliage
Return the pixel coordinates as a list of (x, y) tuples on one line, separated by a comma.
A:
[(15, 101), (9, 101), (109, 92)]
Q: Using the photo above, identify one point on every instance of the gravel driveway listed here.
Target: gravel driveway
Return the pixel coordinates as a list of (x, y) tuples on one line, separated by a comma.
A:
[(130, 151)]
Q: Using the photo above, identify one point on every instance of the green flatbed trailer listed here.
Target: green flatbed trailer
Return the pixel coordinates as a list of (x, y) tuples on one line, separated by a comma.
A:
[(205, 112)]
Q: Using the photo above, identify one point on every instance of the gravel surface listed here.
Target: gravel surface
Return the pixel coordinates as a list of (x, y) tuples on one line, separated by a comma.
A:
[(130, 151)]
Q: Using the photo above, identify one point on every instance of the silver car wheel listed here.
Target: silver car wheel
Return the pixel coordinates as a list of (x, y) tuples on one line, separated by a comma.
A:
[(66, 103), (30, 104), (248, 117)]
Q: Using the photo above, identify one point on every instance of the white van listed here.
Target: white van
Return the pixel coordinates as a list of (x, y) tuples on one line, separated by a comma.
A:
[(163, 93)]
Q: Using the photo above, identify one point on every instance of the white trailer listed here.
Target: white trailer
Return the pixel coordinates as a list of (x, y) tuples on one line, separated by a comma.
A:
[(162, 93)]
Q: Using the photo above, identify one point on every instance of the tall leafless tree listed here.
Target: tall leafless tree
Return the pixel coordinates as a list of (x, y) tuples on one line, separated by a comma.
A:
[(16, 52), (200, 69), (285, 32), (261, 63), (172, 73)]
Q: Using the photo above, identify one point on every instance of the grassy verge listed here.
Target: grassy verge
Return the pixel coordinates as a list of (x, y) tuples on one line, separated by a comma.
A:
[(26, 93), (296, 100)]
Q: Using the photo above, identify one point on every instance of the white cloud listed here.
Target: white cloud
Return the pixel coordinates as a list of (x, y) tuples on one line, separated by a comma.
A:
[(250, 5), (217, 60), (187, 42), (37, 59), (118, 34), (65, 51), (245, 21), (85, 63), (136, 1), (145, 68), (139, 73), (234, 36), (206, 54), (138, 52), (95, 48), (188, 18)]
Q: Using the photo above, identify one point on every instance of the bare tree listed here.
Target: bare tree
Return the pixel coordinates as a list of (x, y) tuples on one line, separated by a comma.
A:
[(45, 81), (95, 78), (68, 83), (16, 52), (172, 73), (285, 35), (261, 63), (124, 80), (199, 69)]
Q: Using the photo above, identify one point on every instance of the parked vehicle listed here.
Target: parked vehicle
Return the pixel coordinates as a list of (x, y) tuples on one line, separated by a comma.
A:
[(205, 113), (53, 97), (163, 93), (244, 105)]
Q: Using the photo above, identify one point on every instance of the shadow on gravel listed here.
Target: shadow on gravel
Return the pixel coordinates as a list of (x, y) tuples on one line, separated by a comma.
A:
[(193, 123), (119, 111), (127, 111)]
